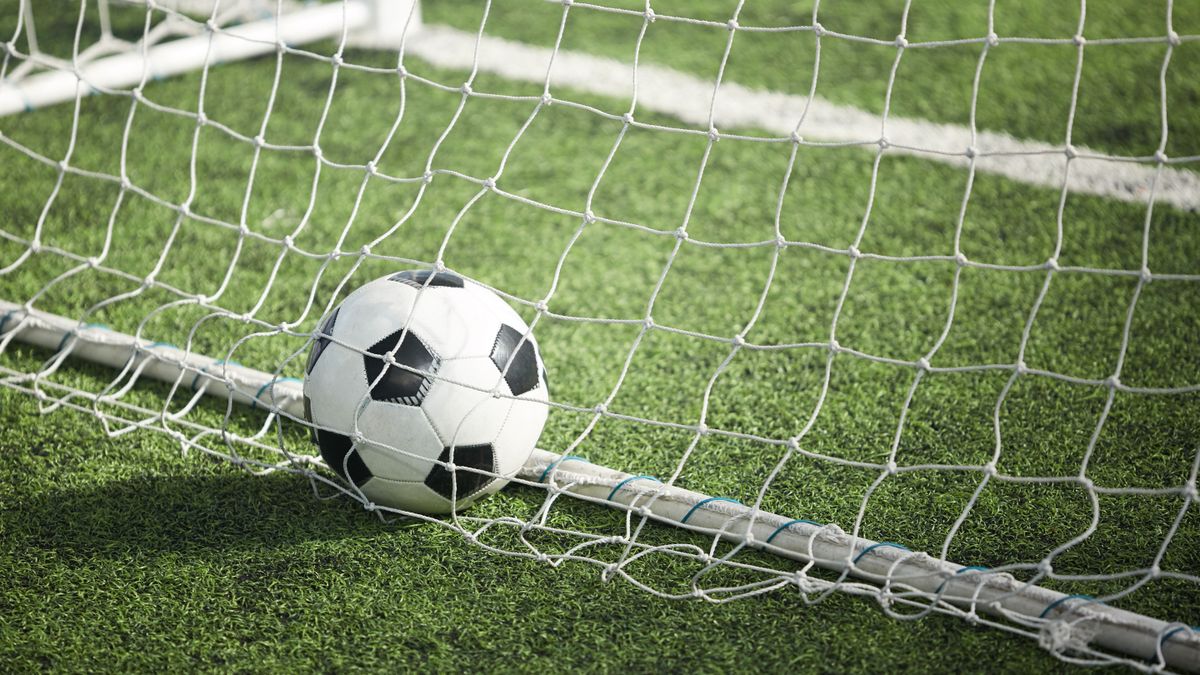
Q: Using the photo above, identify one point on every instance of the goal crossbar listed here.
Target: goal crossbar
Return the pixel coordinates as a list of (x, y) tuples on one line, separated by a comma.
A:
[(1061, 621)]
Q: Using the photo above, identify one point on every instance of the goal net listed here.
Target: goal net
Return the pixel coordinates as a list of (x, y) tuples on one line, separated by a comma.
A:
[(892, 300)]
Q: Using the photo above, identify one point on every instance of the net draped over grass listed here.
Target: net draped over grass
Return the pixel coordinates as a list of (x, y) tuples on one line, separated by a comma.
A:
[(174, 560)]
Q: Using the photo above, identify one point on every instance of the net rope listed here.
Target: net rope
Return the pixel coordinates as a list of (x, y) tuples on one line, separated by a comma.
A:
[(265, 446)]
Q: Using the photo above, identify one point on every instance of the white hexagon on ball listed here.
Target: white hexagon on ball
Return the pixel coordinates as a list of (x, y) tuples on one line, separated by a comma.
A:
[(430, 371)]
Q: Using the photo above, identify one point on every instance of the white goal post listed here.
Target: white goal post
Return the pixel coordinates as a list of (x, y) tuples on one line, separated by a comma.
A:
[(199, 34)]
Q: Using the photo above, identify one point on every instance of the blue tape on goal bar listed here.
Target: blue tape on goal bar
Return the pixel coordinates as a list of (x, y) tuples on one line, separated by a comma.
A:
[(702, 502), (872, 547), (558, 461), (618, 486)]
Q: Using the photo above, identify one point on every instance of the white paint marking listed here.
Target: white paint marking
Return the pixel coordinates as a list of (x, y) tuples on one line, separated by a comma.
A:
[(687, 97)]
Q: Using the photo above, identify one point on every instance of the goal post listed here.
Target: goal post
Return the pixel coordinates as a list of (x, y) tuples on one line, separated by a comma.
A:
[(199, 40), (612, 202)]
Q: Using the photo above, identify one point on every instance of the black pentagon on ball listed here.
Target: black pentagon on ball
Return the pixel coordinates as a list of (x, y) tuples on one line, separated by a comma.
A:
[(322, 340), (338, 452), (522, 363), (479, 457), (423, 278), (407, 382)]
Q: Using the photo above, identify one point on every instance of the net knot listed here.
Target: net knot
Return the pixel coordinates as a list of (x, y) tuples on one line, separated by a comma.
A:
[(901, 41), (886, 599), (1059, 636), (609, 571), (1173, 38), (1079, 41), (993, 40)]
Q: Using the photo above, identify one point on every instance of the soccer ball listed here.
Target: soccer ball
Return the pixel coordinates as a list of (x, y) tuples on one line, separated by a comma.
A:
[(425, 390)]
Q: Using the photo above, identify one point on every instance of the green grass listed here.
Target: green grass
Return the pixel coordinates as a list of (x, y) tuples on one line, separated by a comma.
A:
[(121, 554)]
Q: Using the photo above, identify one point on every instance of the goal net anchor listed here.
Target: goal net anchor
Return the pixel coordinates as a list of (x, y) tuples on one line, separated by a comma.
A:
[(1062, 622)]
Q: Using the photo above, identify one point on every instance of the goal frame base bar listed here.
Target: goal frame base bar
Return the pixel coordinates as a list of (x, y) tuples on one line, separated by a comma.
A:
[(1062, 622)]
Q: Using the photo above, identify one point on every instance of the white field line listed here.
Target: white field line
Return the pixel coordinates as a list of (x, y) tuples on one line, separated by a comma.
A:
[(688, 98)]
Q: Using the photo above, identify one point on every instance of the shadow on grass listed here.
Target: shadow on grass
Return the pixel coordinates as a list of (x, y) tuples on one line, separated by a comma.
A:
[(186, 514)]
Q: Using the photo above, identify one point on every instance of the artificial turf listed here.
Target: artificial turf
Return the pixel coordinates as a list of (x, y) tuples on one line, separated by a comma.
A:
[(123, 554)]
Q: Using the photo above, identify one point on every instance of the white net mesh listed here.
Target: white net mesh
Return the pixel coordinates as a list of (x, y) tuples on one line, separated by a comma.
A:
[(910, 307)]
